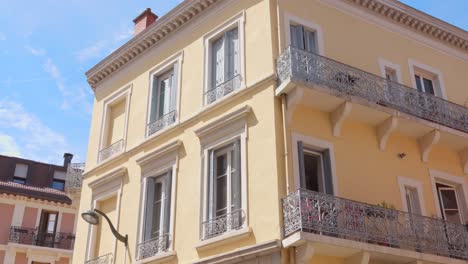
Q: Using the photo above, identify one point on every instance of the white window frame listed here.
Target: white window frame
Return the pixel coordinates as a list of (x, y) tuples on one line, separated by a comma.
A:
[(217, 134), (429, 72), (112, 100), (160, 69), (154, 165), (238, 21), (385, 64), (404, 182), (316, 145), (459, 183), (290, 19)]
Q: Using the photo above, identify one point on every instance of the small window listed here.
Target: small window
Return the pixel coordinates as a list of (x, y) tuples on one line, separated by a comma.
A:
[(412, 200), (315, 169), (58, 184), (449, 204), (21, 172), (163, 101), (224, 65), (391, 74), (303, 38), (424, 84)]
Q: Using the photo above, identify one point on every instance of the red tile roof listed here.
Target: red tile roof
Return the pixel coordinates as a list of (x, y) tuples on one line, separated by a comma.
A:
[(34, 192)]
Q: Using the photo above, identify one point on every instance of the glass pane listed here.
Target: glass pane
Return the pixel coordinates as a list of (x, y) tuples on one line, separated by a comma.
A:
[(164, 97), (156, 220), (58, 185), (221, 194), (428, 86), (449, 199), (157, 192), (221, 165), (310, 41), (312, 171), (418, 83), (453, 216)]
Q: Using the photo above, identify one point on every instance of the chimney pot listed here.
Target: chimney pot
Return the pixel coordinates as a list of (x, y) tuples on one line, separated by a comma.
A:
[(143, 21), (67, 158)]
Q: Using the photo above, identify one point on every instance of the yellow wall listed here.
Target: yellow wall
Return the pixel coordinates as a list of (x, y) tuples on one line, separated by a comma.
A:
[(104, 237)]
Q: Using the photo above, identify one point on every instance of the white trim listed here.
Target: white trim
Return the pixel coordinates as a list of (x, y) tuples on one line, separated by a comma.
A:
[(458, 182), (122, 94), (288, 18), (403, 182), (225, 238), (383, 63), (161, 68), (316, 144), (437, 77), (233, 22)]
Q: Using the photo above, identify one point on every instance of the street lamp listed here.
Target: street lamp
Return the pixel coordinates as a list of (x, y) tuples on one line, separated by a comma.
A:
[(92, 217)]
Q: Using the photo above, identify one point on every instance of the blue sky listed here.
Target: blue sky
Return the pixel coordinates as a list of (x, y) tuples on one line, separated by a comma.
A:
[(47, 46)]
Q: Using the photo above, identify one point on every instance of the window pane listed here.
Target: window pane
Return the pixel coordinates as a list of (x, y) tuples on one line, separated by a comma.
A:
[(156, 223), (221, 165), (312, 171), (58, 185), (418, 83), (231, 54), (221, 195), (428, 86), (297, 36), (449, 199), (217, 62), (310, 41)]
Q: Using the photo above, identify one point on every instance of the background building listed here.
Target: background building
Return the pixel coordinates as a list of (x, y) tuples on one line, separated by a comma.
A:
[(38, 219), (280, 131)]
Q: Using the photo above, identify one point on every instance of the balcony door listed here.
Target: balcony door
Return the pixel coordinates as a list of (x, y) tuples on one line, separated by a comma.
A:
[(315, 169), (47, 229), (449, 203)]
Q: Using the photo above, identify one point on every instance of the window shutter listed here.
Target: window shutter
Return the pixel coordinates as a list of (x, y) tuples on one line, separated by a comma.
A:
[(413, 200), (297, 36), (174, 87), (154, 100), (232, 54), (327, 169), (149, 208), (167, 206), (211, 209), (236, 178), (217, 63), (300, 149), (310, 41)]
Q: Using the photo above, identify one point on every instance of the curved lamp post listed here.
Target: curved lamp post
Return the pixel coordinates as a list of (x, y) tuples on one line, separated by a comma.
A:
[(92, 217)]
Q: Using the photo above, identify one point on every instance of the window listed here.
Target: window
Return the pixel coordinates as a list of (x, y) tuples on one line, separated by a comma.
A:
[(411, 194), (412, 200), (21, 172), (47, 228), (163, 101), (58, 184), (449, 204), (315, 169), (424, 84), (427, 79), (391, 74), (303, 38), (224, 190)]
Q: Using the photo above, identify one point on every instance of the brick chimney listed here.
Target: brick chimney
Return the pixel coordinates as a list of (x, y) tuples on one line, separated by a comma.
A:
[(143, 21), (67, 158)]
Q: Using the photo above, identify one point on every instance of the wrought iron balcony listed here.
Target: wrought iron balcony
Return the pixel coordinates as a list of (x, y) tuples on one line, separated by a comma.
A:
[(319, 213), (104, 259), (74, 177), (152, 247), (223, 89), (161, 123), (346, 81), (111, 150), (32, 236), (222, 224)]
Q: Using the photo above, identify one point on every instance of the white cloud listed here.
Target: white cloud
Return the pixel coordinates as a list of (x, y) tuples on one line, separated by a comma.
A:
[(35, 52), (8, 146), (91, 52), (35, 140)]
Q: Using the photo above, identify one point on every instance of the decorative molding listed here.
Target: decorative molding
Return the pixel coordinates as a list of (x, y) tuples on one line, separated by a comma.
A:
[(464, 159), (384, 130), (166, 149), (359, 258), (160, 30), (223, 121), (426, 143), (416, 20), (108, 177), (338, 116)]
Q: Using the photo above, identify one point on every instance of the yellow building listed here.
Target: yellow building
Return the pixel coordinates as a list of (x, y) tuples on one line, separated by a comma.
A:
[(280, 131)]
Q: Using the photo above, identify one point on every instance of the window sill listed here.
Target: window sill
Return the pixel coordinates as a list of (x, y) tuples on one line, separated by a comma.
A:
[(159, 258), (224, 239)]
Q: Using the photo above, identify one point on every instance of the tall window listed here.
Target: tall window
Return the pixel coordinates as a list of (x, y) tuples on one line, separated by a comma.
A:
[(225, 65), (47, 228), (303, 38), (224, 191), (424, 84), (157, 215), (412, 200), (315, 169), (449, 204), (21, 172), (163, 101)]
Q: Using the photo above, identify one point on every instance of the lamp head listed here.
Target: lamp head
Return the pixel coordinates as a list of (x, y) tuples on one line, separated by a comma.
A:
[(91, 217)]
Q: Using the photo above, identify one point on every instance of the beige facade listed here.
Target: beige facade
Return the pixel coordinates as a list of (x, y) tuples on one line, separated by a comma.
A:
[(208, 123)]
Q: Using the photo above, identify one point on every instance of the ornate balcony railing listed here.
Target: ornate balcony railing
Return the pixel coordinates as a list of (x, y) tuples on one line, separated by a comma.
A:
[(104, 259), (31, 236), (111, 150), (152, 247), (222, 224), (346, 81), (223, 89), (328, 215), (165, 121), (74, 177)]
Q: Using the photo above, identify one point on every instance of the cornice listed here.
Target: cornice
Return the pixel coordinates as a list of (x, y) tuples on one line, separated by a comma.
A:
[(159, 30), (416, 20)]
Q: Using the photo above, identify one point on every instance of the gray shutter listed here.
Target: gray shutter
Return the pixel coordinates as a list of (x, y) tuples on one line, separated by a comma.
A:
[(211, 208), (328, 177), (300, 149), (217, 66), (415, 207), (154, 99), (149, 214), (297, 36), (236, 178), (167, 208), (174, 87), (231, 51), (310, 41)]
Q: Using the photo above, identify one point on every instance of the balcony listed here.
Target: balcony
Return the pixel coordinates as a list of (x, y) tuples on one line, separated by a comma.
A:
[(223, 224), (104, 259), (32, 236), (161, 123), (223, 89), (330, 216), (348, 83), (74, 178), (153, 247), (111, 150)]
